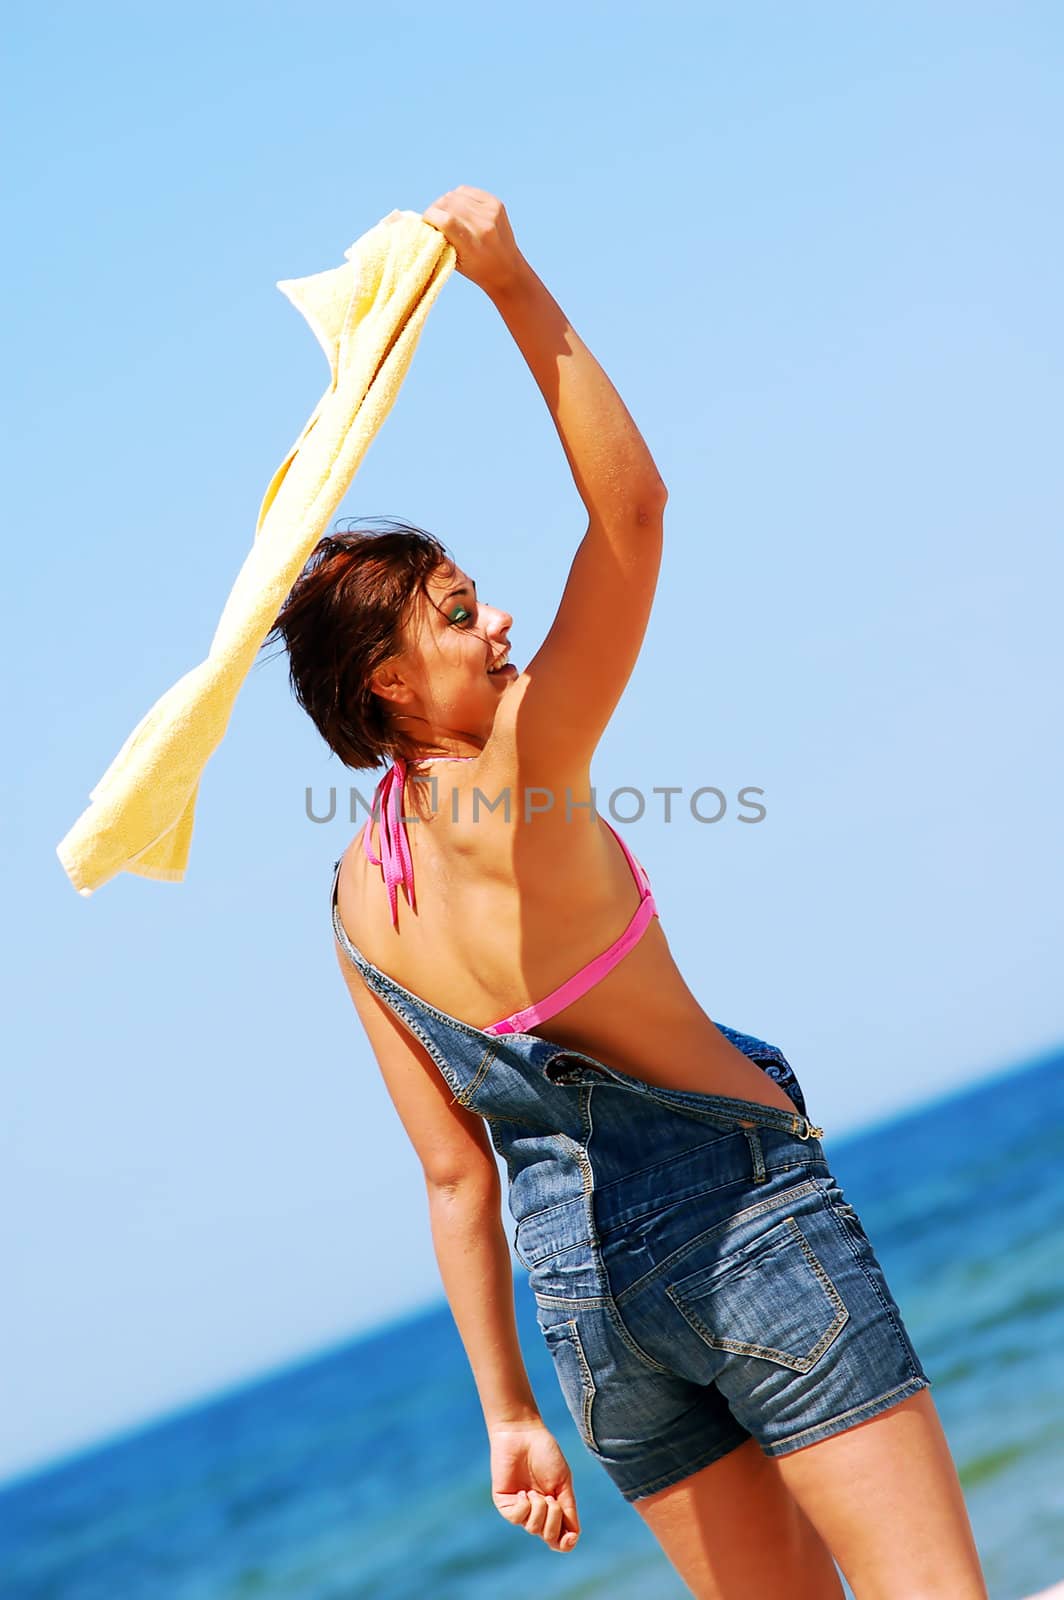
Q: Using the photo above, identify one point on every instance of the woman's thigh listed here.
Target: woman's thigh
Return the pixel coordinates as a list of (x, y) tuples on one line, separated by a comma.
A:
[(886, 1498), (882, 1499), (733, 1531)]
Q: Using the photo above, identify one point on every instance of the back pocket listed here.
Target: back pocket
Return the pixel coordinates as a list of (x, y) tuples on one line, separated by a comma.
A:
[(773, 1299)]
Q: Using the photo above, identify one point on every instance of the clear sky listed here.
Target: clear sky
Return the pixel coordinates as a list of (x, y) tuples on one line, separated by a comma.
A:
[(818, 250)]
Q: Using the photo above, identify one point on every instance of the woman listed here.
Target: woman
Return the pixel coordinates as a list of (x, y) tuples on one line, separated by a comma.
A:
[(720, 1327)]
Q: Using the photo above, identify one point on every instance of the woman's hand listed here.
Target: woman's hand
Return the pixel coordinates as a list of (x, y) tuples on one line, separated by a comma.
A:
[(476, 224), (531, 1483)]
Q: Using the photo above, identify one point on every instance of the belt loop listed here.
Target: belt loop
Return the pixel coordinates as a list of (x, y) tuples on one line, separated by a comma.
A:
[(753, 1140)]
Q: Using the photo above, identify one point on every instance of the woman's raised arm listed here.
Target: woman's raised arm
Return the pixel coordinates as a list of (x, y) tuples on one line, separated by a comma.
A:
[(577, 677)]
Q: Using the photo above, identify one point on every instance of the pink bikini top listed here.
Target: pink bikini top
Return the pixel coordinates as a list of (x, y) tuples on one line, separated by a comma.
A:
[(398, 868)]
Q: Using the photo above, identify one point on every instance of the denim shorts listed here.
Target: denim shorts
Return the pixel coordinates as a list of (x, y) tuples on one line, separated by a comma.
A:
[(745, 1301)]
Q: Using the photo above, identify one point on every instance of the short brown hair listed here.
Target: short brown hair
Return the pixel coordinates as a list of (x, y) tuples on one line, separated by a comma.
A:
[(344, 618)]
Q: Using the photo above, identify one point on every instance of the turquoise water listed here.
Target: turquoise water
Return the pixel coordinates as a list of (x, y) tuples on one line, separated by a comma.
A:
[(362, 1475)]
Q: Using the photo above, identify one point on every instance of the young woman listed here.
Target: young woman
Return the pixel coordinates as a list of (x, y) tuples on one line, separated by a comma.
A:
[(720, 1327)]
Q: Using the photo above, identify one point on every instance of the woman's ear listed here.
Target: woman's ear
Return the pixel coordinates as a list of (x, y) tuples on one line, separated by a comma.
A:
[(389, 684)]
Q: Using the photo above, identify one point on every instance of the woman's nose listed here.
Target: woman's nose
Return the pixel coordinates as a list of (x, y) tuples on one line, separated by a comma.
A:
[(502, 621)]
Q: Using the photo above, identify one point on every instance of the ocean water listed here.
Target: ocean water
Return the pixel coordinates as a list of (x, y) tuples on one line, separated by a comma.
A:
[(362, 1475)]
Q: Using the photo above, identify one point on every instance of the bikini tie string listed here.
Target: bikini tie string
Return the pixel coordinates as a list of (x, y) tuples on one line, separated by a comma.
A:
[(395, 857)]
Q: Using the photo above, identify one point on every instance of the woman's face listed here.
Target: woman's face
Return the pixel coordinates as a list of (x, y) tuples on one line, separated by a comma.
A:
[(454, 670)]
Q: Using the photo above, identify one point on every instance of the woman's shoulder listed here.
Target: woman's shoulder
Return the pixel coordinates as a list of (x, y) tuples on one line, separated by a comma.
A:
[(529, 779)]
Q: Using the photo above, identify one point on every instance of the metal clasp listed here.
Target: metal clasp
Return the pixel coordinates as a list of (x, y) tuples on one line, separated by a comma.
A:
[(811, 1130)]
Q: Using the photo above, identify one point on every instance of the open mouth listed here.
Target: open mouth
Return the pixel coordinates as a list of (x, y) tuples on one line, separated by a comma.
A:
[(502, 666)]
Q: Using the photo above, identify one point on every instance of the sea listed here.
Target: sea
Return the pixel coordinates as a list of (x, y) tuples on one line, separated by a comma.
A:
[(362, 1474)]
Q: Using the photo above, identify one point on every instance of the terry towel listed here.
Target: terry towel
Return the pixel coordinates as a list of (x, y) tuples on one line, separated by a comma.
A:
[(367, 315)]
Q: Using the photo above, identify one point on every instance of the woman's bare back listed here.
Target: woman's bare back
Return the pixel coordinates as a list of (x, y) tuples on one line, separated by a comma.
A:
[(508, 911)]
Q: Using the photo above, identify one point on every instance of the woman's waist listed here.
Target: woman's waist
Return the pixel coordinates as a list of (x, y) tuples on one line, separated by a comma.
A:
[(669, 1041)]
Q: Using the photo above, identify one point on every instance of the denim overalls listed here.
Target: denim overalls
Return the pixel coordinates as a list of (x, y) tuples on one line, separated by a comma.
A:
[(637, 1210)]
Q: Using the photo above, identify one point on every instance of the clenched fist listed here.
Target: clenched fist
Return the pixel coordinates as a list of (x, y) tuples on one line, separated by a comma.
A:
[(476, 224)]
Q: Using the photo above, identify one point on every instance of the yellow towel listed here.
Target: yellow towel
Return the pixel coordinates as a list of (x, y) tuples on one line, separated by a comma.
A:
[(368, 316)]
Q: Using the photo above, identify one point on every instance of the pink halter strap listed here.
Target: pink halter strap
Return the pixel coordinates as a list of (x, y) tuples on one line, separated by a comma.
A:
[(395, 855)]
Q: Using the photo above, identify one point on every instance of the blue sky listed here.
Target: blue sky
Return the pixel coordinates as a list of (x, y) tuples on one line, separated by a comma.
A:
[(817, 249)]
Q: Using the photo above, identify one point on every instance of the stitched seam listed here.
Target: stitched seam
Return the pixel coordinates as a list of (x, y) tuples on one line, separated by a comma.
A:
[(912, 1384), (520, 1122), (906, 1342), (768, 1204), (699, 1113), (592, 1302), (582, 1155), (677, 1100), (481, 1073), (589, 1389)]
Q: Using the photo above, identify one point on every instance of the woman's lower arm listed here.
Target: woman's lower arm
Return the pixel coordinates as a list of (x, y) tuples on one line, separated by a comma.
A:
[(613, 469), (474, 1261)]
